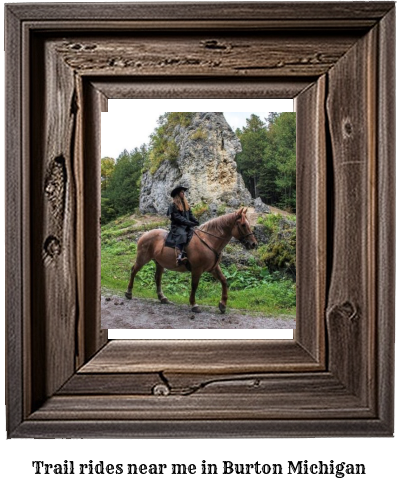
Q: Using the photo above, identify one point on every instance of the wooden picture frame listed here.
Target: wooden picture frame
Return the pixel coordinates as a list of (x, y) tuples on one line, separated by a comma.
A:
[(336, 376)]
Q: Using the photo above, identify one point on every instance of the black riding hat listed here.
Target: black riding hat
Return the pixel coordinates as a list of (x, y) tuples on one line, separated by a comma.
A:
[(177, 190)]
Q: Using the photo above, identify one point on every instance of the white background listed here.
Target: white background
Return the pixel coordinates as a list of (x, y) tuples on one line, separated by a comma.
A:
[(379, 455)]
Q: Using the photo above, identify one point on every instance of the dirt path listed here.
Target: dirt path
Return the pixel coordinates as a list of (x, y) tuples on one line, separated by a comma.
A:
[(137, 313)]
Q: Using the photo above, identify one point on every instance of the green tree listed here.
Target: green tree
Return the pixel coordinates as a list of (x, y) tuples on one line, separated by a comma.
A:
[(268, 158), (278, 173), (107, 168), (250, 160), (122, 193), (108, 213)]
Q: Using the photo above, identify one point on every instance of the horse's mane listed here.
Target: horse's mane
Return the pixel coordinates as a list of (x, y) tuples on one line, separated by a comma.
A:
[(218, 224)]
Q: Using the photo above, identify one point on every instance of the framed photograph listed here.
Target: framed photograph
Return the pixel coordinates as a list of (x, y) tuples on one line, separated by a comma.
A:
[(235, 237), (65, 379)]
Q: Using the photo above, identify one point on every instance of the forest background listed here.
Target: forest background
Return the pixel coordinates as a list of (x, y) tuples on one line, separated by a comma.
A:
[(267, 163)]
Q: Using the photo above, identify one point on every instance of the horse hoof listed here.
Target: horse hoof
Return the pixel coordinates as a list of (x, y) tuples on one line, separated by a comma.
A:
[(128, 295), (222, 308), (195, 309), (165, 301)]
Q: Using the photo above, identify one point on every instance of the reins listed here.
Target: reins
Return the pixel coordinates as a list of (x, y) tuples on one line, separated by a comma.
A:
[(211, 234), (218, 254)]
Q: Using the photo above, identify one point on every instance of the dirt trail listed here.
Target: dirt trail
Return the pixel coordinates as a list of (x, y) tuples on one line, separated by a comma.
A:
[(137, 313)]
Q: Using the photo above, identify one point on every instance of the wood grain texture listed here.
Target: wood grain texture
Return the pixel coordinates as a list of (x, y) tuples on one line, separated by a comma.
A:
[(351, 307), (77, 147), (14, 259), (71, 58), (311, 218), (200, 356), (113, 384), (94, 336), (255, 396), (53, 210), (185, 384), (385, 268), (192, 428), (277, 11), (241, 54), (176, 87), (203, 407)]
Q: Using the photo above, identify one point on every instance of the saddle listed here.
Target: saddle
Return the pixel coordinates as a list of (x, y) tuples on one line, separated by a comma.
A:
[(170, 244)]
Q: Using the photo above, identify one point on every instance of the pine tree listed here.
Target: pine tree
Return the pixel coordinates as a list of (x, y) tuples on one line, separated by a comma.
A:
[(278, 174), (249, 161), (268, 158), (121, 196)]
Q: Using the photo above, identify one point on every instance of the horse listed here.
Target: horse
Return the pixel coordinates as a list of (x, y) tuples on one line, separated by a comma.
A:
[(203, 252)]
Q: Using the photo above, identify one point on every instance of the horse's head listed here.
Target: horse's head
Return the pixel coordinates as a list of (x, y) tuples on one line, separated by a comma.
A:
[(242, 231)]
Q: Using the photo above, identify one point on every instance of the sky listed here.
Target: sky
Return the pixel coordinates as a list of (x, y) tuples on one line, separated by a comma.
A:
[(129, 123)]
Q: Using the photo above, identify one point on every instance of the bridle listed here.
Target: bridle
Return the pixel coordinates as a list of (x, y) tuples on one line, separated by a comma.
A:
[(243, 236), (242, 239)]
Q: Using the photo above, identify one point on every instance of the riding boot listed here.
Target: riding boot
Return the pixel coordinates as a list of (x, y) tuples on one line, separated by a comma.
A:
[(181, 258)]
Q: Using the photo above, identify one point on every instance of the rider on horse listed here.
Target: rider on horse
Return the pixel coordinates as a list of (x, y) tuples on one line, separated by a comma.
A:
[(183, 223)]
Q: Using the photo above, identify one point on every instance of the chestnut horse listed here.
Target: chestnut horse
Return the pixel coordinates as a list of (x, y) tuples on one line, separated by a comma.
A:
[(203, 252)]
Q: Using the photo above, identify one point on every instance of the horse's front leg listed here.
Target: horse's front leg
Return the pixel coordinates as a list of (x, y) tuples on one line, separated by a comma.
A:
[(158, 280), (195, 277), (218, 274)]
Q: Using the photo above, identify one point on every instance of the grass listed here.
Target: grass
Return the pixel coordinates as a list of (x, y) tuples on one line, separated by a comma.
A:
[(124, 228), (253, 288)]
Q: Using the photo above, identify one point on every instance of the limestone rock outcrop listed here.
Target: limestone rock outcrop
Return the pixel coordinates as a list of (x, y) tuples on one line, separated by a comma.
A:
[(205, 164)]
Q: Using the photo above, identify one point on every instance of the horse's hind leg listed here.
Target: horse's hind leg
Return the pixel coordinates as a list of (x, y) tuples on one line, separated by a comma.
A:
[(158, 280), (142, 260), (218, 274), (195, 277)]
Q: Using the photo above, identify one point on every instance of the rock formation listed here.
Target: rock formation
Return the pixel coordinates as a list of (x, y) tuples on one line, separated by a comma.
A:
[(205, 164)]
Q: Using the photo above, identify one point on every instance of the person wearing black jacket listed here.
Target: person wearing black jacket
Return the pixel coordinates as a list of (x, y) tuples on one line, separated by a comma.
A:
[(182, 223)]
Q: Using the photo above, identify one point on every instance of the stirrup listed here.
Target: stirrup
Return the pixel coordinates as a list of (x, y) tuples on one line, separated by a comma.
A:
[(181, 258)]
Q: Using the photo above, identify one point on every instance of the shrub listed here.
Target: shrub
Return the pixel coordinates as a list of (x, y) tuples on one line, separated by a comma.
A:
[(199, 134), (108, 213), (271, 223), (221, 209), (279, 254), (199, 209), (162, 150), (177, 118)]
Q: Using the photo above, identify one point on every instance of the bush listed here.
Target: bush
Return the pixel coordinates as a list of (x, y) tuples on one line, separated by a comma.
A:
[(108, 213), (163, 150), (199, 134), (221, 209), (271, 223), (279, 254), (199, 209)]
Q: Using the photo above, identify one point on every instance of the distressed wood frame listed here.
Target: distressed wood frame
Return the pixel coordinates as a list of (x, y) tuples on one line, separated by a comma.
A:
[(336, 376)]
